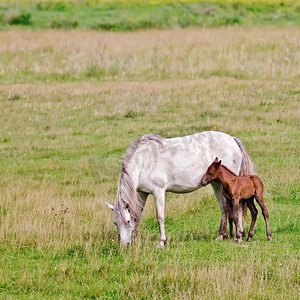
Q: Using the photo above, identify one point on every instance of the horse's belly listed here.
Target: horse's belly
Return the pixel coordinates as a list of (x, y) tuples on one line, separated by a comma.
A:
[(182, 189), (184, 181)]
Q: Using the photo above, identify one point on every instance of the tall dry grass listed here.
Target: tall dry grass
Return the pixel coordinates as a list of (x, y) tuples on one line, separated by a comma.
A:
[(256, 53)]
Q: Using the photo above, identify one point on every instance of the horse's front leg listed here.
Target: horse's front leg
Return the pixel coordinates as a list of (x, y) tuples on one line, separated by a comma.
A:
[(143, 198), (217, 187), (159, 197)]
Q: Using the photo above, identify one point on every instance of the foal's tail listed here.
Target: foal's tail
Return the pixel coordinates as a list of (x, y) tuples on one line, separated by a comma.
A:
[(247, 168)]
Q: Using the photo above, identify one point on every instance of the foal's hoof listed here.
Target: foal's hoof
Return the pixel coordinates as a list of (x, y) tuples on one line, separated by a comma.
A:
[(239, 240), (269, 238), (249, 239)]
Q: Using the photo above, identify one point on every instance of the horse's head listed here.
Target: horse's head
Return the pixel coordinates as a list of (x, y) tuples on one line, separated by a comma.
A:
[(126, 224), (211, 173)]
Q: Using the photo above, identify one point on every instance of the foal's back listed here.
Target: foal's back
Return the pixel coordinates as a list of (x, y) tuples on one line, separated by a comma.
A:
[(248, 186)]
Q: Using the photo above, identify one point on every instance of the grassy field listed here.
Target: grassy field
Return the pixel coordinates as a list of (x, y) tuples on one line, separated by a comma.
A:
[(130, 15), (70, 102)]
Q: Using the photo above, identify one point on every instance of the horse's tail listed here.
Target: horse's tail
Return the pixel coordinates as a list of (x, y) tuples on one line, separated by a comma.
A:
[(128, 196), (247, 168)]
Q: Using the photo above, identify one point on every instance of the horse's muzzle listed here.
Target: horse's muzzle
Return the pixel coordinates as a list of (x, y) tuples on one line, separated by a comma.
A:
[(203, 183)]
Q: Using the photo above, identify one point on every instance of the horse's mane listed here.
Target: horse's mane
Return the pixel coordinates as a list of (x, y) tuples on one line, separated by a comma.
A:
[(127, 194), (135, 144)]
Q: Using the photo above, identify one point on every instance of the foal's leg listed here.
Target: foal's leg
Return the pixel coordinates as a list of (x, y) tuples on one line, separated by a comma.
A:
[(159, 197), (260, 200), (217, 187), (253, 210)]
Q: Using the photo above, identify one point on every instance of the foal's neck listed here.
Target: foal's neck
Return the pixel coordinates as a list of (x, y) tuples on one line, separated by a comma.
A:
[(225, 176)]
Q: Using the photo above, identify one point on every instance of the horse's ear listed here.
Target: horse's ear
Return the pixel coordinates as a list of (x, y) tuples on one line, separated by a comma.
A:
[(110, 206), (216, 160), (219, 163)]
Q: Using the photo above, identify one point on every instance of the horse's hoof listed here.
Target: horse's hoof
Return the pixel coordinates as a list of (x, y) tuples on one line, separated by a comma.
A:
[(219, 238), (239, 241), (249, 239), (162, 244), (269, 238)]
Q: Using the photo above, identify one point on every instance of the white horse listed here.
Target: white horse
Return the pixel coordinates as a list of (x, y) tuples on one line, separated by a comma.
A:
[(155, 165)]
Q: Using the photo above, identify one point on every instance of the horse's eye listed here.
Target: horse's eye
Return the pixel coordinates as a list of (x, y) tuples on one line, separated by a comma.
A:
[(209, 173), (128, 221)]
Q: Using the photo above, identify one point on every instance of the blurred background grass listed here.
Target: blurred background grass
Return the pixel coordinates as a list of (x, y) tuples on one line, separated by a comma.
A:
[(136, 15)]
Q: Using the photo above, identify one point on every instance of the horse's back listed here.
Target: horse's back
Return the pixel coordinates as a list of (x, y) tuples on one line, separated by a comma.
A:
[(180, 163)]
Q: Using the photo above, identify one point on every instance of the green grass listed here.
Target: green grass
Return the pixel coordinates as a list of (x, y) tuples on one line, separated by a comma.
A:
[(134, 15), (61, 139)]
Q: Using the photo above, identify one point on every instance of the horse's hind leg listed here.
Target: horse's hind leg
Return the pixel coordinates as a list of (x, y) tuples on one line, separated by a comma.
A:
[(237, 207), (253, 210), (260, 200), (238, 218), (217, 187), (230, 219)]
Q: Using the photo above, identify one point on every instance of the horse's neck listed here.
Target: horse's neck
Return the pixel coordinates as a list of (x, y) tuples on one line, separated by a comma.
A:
[(225, 176)]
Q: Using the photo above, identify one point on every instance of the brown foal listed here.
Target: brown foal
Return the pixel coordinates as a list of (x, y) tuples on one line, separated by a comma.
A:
[(238, 190)]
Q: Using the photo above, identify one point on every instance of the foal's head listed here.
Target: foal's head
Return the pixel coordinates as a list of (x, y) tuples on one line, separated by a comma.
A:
[(211, 173)]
